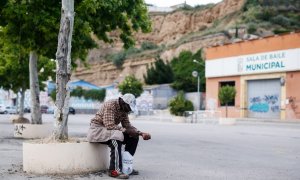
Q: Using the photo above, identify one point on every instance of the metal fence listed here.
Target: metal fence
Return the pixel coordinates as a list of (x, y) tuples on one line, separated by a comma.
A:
[(206, 117), (203, 116)]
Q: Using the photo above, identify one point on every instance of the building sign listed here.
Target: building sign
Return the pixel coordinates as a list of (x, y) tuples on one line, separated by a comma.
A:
[(275, 61)]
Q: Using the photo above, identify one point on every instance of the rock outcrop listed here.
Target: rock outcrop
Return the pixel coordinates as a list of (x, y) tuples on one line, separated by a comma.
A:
[(168, 30)]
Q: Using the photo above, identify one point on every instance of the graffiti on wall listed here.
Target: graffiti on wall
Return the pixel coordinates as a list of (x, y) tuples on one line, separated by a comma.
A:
[(145, 101), (267, 103), (19, 128)]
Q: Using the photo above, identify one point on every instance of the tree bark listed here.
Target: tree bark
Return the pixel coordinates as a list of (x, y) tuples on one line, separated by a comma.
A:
[(63, 70), (21, 111), (36, 117), (226, 110)]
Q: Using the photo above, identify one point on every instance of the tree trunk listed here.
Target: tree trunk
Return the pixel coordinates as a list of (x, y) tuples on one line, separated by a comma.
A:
[(36, 117), (226, 110), (63, 70), (17, 102), (21, 111)]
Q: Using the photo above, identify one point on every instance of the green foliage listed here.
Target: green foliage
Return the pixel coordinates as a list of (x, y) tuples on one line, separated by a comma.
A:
[(160, 73), (226, 94), (250, 3), (281, 20), (183, 66), (178, 105), (131, 85), (14, 70), (118, 59), (266, 14), (186, 7), (77, 92), (252, 28), (280, 30), (204, 6), (284, 14), (35, 24), (53, 95), (131, 50), (94, 94), (147, 45)]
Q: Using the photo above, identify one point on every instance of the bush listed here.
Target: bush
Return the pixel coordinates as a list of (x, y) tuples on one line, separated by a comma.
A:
[(78, 92), (147, 45), (280, 31), (131, 85), (267, 13), (118, 59), (131, 51), (92, 94), (281, 20), (178, 105), (251, 29)]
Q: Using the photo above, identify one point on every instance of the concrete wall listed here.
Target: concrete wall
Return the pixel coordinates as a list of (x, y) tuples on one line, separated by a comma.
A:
[(162, 95), (193, 96), (212, 101), (293, 95)]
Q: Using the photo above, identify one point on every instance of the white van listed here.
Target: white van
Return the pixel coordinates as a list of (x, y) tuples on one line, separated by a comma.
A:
[(8, 109), (2, 109)]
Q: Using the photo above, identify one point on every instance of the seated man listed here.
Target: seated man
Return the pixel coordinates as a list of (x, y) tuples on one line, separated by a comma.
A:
[(104, 129)]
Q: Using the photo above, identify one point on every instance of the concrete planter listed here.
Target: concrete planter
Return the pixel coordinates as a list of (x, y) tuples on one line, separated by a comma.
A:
[(178, 119), (227, 121), (64, 158), (32, 131)]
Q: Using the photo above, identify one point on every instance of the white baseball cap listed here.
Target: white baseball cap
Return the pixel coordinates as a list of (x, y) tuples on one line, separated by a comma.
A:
[(130, 100)]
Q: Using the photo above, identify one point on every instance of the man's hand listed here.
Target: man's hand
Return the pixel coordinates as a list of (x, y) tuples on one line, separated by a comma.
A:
[(146, 136)]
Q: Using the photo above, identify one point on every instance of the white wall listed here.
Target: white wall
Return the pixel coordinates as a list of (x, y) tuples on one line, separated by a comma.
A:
[(275, 61)]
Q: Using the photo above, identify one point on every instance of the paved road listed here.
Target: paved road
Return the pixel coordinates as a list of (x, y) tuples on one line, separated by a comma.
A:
[(254, 151)]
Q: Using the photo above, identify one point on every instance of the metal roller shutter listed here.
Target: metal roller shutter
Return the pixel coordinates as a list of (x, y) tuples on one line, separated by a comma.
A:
[(264, 98)]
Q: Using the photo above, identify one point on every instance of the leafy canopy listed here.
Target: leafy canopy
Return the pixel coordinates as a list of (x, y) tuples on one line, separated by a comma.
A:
[(183, 66), (226, 94), (131, 85), (160, 73), (87, 94), (35, 24), (14, 69)]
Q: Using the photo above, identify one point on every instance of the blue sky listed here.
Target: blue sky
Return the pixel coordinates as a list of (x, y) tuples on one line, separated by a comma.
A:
[(167, 3)]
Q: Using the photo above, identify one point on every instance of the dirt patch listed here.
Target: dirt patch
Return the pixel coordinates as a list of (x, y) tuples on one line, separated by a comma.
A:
[(51, 139), (20, 120)]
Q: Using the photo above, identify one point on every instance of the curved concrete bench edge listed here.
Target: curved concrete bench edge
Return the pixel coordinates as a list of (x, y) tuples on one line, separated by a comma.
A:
[(64, 158)]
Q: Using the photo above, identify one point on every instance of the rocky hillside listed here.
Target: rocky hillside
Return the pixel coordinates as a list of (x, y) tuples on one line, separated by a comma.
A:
[(185, 29)]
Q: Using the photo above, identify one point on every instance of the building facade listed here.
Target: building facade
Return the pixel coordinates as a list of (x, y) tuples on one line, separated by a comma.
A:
[(265, 73)]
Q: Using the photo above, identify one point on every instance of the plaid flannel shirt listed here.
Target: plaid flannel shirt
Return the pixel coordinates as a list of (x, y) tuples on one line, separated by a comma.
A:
[(110, 115)]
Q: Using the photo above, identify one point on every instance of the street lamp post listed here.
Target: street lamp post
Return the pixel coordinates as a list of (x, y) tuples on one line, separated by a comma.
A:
[(195, 61), (196, 74)]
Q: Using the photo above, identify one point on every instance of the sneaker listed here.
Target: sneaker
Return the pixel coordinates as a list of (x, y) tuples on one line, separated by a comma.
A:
[(134, 172), (116, 174)]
